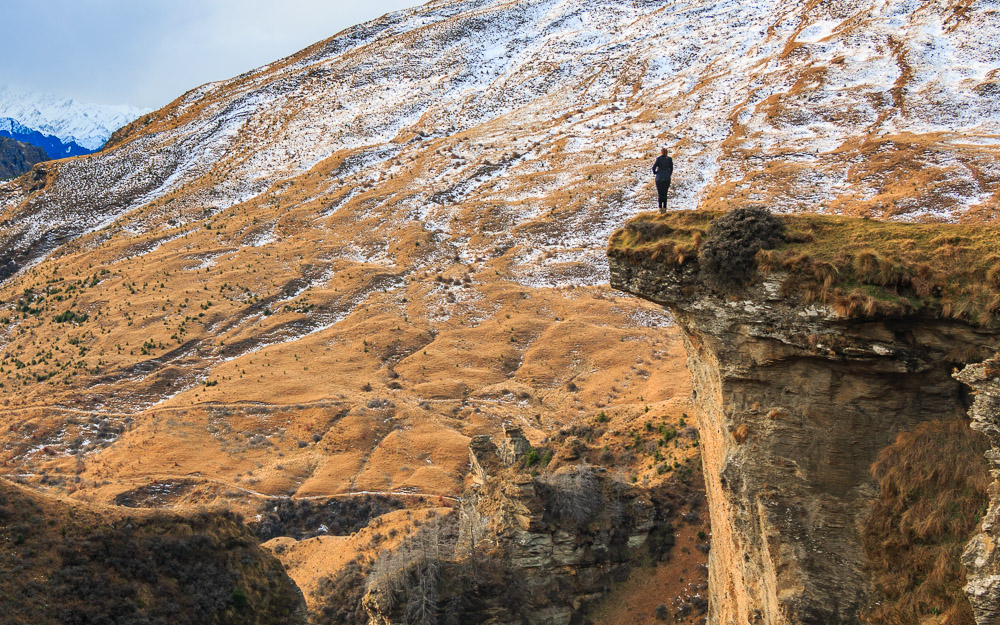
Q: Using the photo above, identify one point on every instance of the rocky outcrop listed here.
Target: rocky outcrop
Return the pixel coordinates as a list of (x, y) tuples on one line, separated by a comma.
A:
[(794, 403), (17, 157), (982, 556), (547, 548)]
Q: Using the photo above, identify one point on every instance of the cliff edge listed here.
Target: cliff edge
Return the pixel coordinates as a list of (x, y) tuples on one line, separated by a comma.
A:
[(808, 361)]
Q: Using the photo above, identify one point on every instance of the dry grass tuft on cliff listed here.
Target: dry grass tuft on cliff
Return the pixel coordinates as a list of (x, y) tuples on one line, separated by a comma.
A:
[(933, 492), (858, 267)]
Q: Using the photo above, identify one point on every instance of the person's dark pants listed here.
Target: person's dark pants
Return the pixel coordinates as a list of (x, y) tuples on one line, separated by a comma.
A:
[(662, 186)]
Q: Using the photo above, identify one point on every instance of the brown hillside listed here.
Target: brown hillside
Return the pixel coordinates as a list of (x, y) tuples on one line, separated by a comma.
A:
[(322, 277), (69, 563)]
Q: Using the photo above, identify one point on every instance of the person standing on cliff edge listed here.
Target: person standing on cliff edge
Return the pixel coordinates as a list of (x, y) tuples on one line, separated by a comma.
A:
[(663, 168)]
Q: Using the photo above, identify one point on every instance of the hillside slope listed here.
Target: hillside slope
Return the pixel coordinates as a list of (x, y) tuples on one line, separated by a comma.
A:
[(884, 111), (73, 564), (322, 277)]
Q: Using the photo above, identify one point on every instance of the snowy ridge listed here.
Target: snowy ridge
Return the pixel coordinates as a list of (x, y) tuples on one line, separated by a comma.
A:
[(88, 125), (522, 106)]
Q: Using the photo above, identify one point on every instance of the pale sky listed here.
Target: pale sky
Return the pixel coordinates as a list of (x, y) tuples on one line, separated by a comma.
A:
[(148, 52)]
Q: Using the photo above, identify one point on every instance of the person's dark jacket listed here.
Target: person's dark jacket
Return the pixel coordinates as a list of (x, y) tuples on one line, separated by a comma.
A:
[(663, 168)]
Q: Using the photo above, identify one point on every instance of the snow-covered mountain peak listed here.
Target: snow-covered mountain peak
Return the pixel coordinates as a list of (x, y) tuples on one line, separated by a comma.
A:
[(88, 125)]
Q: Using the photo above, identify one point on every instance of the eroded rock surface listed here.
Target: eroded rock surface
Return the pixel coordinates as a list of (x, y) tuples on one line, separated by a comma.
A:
[(982, 556), (795, 403), (539, 549)]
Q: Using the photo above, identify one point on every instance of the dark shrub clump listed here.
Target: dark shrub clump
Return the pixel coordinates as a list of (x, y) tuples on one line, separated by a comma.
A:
[(727, 256), (302, 519)]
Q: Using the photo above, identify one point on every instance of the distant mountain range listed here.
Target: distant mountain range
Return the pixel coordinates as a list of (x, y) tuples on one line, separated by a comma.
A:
[(62, 127), (13, 129)]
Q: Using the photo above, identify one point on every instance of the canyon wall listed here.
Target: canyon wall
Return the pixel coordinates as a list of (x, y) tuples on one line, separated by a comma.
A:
[(795, 402), (527, 547), (982, 557)]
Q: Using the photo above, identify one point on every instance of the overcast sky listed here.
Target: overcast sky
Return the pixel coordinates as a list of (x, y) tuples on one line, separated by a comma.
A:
[(148, 52)]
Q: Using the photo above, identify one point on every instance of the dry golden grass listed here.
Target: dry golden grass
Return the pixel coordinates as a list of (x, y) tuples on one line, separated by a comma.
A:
[(932, 494), (194, 354), (741, 434)]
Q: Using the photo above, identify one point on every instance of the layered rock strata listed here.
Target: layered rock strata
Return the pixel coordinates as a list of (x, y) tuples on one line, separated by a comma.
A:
[(795, 403), (982, 555)]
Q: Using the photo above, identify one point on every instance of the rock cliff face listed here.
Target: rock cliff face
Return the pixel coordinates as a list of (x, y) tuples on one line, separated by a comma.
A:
[(982, 556), (547, 547), (795, 402)]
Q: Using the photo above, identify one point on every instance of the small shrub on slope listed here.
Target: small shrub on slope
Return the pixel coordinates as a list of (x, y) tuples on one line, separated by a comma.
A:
[(727, 256)]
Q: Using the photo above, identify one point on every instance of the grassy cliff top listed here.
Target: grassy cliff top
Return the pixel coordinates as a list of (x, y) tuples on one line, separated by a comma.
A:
[(860, 267)]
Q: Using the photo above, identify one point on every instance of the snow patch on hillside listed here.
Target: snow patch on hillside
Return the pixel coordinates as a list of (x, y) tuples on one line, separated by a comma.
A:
[(547, 113)]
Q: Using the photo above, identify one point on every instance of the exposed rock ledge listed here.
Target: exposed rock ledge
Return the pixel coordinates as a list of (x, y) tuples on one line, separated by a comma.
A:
[(982, 556), (795, 403)]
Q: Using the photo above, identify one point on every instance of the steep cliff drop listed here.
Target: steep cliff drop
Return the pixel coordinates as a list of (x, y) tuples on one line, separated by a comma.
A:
[(528, 545), (844, 336), (981, 557)]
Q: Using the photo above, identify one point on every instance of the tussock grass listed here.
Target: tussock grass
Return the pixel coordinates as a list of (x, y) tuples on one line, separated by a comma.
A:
[(672, 238), (932, 494), (859, 267)]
